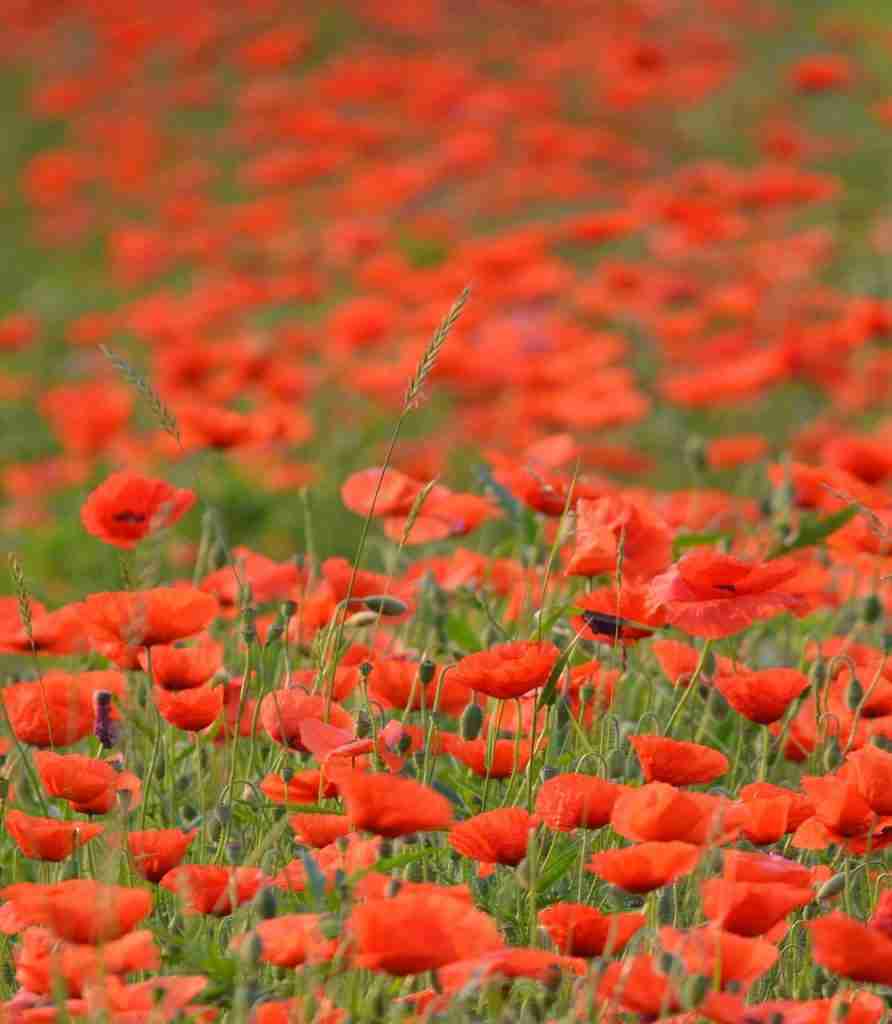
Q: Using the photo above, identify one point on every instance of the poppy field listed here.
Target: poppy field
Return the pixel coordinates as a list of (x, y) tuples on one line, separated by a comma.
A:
[(446, 505)]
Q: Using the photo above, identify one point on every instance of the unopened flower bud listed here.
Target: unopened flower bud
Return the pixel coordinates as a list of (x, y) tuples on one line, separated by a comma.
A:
[(471, 722)]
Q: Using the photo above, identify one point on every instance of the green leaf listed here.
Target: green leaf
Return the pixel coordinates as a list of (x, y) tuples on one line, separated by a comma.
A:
[(813, 530), (696, 540)]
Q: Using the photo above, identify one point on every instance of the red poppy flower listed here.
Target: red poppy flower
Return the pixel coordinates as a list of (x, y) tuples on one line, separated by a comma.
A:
[(571, 800), (710, 594), (645, 866), (306, 787), (120, 622), (870, 769), (731, 452), (347, 856), (167, 997), (75, 777), (156, 851), (801, 808), (751, 908), (57, 710), (290, 940), (127, 507), (391, 806), (395, 492), (414, 933), (494, 837), (48, 838), (605, 525), (741, 866), (721, 955), (213, 889), (658, 812), (41, 960), (761, 696), (189, 710), (80, 909), (635, 984), (679, 661), (267, 578), (852, 949), (319, 829), (58, 632), (508, 756), (282, 713), (579, 930), (609, 616), (511, 962), (678, 762), (507, 670), (181, 668), (375, 886)]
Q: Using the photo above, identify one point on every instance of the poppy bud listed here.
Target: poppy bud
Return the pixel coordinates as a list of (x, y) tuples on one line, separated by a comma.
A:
[(267, 903), (667, 963), (694, 990), (870, 613), (384, 604), (361, 619), (695, 453), (426, 671), (160, 767), (471, 722), (252, 950), (818, 674), (854, 693), (562, 712), (249, 626), (832, 887), (275, 633), (666, 906)]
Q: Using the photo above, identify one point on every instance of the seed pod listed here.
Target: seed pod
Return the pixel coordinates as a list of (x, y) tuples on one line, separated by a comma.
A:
[(471, 722), (854, 693), (267, 902), (871, 612), (695, 453), (384, 604), (426, 671), (361, 619), (832, 887), (694, 990)]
